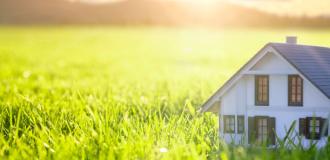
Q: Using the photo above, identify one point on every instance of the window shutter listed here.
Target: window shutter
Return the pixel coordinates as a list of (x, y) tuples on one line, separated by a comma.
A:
[(318, 135), (251, 129), (220, 126), (302, 126), (271, 130), (240, 124), (324, 126), (308, 133), (225, 119)]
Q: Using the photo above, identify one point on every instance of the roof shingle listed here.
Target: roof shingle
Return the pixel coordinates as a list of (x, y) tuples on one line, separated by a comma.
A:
[(311, 61)]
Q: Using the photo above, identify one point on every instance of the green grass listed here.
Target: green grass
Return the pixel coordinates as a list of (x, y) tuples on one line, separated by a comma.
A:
[(124, 93)]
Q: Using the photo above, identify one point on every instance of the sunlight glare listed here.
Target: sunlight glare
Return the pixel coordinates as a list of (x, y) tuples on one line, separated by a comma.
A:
[(201, 2)]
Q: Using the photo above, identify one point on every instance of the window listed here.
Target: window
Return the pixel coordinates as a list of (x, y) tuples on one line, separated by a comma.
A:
[(312, 127), (295, 90), (261, 90), (240, 124), (262, 130), (229, 124)]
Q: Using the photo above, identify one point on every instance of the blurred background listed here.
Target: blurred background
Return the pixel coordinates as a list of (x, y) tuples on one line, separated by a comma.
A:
[(124, 79), (206, 13)]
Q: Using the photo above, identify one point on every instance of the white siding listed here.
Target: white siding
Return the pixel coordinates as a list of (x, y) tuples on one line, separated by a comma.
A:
[(271, 62), (314, 97), (229, 102), (278, 85), (233, 106), (278, 89)]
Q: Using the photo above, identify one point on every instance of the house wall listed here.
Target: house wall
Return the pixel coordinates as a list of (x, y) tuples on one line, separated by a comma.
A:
[(271, 62), (240, 99), (234, 107)]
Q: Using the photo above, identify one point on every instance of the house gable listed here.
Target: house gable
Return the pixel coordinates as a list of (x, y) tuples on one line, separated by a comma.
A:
[(209, 104), (266, 61), (271, 63)]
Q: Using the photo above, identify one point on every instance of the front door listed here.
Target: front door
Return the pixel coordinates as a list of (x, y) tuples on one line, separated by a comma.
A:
[(262, 130)]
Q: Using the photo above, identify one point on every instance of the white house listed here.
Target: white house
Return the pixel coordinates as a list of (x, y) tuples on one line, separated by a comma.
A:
[(282, 83)]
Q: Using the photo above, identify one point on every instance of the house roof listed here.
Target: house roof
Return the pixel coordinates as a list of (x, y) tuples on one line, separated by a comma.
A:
[(311, 61)]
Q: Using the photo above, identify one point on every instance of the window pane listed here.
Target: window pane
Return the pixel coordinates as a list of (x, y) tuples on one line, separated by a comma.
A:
[(260, 95), (314, 126), (298, 89), (298, 98), (317, 129), (229, 122), (299, 81), (260, 130), (293, 81), (264, 89), (265, 129), (317, 123), (264, 122)]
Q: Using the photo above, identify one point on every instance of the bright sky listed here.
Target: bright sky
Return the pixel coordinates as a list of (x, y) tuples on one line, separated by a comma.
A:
[(283, 7), (290, 7)]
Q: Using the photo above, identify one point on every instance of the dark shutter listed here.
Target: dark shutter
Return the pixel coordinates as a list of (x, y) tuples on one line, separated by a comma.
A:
[(240, 124), (251, 133), (324, 126), (271, 130), (318, 135), (290, 90), (225, 127), (220, 126), (302, 126), (308, 133)]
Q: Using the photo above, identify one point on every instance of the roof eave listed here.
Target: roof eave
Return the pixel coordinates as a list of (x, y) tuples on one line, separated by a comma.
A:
[(205, 107)]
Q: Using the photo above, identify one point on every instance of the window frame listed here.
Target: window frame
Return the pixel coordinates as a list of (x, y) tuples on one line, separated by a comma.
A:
[(231, 123), (296, 93), (240, 124), (258, 79)]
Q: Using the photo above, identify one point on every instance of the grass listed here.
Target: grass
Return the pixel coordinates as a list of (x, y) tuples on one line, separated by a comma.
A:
[(125, 93)]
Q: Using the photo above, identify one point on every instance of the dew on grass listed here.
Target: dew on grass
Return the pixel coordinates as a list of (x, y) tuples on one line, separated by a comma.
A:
[(163, 150), (26, 74)]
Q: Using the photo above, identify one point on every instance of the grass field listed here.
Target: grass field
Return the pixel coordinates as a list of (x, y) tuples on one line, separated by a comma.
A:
[(125, 93)]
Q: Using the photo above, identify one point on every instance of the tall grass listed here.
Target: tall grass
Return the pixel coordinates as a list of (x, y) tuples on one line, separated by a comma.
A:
[(123, 93)]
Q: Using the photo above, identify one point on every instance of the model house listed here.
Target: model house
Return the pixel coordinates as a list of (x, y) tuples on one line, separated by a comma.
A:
[(282, 83)]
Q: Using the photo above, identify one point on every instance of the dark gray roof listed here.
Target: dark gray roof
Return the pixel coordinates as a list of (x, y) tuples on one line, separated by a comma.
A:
[(311, 61)]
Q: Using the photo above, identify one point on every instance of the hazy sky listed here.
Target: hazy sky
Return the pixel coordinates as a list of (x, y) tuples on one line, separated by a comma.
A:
[(291, 7), (284, 7)]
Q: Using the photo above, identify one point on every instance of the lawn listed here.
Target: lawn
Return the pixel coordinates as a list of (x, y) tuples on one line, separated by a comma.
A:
[(125, 93)]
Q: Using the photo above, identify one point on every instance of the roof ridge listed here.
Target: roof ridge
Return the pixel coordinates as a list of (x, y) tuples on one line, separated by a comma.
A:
[(299, 45)]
